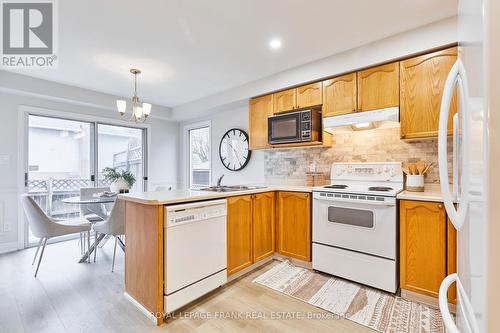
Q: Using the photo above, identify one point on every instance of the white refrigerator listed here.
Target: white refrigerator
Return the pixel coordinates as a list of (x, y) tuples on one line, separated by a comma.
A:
[(466, 203)]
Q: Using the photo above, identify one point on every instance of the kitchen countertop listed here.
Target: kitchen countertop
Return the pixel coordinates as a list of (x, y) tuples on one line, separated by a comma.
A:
[(432, 192), (187, 195)]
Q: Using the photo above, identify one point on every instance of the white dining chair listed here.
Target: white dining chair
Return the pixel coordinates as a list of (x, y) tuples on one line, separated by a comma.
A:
[(45, 227), (114, 226), (93, 212)]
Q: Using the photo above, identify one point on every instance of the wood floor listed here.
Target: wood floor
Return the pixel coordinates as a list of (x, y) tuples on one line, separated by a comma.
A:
[(72, 297)]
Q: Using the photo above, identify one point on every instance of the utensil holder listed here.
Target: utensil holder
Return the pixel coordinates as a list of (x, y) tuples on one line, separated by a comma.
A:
[(415, 183)]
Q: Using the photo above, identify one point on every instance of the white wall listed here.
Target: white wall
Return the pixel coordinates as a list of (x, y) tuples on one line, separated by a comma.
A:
[(220, 123), (427, 37), (163, 146)]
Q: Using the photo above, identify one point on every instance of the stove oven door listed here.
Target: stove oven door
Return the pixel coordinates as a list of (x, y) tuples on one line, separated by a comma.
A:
[(360, 223)]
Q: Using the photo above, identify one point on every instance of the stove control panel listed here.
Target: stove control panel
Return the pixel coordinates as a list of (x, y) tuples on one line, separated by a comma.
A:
[(377, 171)]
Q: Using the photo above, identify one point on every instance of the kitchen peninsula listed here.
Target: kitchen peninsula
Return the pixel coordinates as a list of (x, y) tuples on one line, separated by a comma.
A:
[(254, 233)]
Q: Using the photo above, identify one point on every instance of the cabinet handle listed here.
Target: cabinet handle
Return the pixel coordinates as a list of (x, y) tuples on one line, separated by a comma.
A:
[(440, 206)]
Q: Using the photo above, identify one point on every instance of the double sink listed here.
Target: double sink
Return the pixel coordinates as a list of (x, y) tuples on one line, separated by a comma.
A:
[(231, 188)]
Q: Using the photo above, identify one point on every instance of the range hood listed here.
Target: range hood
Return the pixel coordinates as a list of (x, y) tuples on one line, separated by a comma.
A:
[(388, 117)]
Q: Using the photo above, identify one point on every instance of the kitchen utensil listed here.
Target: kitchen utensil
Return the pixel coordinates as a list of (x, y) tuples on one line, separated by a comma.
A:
[(415, 183)]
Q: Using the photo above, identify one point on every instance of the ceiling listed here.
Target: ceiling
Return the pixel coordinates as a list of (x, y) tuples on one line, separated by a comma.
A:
[(189, 49)]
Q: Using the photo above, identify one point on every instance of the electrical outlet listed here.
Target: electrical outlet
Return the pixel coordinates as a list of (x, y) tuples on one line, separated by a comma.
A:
[(6, 227)]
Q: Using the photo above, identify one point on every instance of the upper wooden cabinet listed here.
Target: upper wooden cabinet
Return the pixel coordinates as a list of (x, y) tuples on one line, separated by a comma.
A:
[(285, 100), (378, 87), (263, 225), (423, 242), (294, 225), (260, 109), (422, 83), (298, 98), (340, 95), (239, 233), (309, 95)]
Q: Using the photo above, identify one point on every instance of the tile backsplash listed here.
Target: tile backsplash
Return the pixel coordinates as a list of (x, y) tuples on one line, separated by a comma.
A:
[(378, 145)]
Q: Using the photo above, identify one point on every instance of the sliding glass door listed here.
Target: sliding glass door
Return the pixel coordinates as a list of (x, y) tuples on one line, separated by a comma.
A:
[(65, 155), (60, 162)]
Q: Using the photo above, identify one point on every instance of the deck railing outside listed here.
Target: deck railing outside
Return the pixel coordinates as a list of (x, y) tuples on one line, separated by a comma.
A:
[(49, 194)]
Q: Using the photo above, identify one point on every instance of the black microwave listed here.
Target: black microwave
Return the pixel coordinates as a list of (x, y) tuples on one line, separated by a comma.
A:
[(298, 126)]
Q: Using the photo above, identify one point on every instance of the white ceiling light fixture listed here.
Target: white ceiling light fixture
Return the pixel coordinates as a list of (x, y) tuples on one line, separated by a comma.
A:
[(275, 43), (139, 111)]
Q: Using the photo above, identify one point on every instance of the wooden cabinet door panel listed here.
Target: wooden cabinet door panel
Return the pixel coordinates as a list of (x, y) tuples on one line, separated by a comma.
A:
[(239, 233), (423, 246), (294, 225), (451, 265), (285, 100), (340, 95), (263, 225), (260, 109), (309, 95), (378, 87), (422, 83)]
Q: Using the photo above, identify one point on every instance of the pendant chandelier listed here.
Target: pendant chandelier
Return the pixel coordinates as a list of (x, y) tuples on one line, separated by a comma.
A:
[(139, 111)]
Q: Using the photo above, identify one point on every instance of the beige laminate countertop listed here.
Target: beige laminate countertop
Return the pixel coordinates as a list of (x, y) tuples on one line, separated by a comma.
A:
[(186, 195), (432, 192)]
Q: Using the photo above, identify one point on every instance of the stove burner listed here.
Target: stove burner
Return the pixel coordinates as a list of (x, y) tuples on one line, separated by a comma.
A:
[(380, 188), (336, 186)]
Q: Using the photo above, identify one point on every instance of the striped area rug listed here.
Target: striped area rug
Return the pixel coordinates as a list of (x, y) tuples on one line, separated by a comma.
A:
[(369, 307)]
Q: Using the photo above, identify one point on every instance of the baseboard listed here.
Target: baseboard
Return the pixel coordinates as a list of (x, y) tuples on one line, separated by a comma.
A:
[(249, 269), (144, 311), (296, 262), (8, 247), (424, 299)]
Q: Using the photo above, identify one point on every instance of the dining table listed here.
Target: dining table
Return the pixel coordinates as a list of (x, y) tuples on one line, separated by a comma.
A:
[(94, 200)]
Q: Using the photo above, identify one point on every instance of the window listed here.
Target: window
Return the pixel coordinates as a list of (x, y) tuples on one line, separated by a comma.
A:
[(199, 156)]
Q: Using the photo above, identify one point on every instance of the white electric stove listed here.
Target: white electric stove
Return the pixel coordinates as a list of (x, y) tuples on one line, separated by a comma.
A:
[(355, 223)]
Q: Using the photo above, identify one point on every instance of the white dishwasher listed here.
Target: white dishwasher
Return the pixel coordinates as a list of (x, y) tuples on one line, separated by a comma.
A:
[(195, 251)]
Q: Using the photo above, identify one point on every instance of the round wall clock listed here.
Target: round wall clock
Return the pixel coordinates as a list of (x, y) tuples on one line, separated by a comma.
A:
[(234, 152)]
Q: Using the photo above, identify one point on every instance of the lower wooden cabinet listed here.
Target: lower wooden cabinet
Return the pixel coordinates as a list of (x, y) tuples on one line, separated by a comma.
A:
[(239, 233), (250, 230), (263, 225), (451, 265), (256, 223), (427, 247), (294, 225)]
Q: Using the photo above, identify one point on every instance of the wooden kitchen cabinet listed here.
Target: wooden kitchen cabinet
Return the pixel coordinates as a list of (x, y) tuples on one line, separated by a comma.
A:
[(239, 233), (423, 246), (263, 225), (340, 95), (260, 109), (294, 225), (451, 257), (301, 97), (378, 87), (309, 95), (422, 83), (285, 100)]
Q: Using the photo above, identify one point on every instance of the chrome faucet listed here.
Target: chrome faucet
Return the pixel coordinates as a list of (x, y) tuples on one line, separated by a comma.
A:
[(219, 180)]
